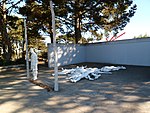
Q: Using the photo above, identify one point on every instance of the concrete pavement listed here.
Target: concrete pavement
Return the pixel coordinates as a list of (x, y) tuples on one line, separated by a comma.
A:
[(124, 91)]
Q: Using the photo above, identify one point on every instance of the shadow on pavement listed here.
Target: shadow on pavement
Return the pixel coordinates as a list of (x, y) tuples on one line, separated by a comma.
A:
[(122, 91)]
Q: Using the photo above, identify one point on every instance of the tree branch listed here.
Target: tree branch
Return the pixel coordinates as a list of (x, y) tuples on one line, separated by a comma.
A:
[(14, 5)]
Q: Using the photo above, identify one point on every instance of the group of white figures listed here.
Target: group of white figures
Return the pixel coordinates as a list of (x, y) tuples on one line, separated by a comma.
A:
[(76, 74)]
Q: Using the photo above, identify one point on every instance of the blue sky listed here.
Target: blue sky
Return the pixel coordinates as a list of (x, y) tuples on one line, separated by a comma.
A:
[(140, 23)]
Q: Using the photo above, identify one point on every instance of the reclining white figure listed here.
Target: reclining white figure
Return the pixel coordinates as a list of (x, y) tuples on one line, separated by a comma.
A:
[(34, 64)]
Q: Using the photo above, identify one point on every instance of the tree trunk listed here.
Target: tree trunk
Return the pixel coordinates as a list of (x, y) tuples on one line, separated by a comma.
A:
[(6, 45), (50, 31), (77, 23), (5, 39), (77, 30), (51, 36)]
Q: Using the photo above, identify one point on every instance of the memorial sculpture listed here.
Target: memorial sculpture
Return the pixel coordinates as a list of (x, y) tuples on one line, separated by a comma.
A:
[(78, 73), (34, 64)]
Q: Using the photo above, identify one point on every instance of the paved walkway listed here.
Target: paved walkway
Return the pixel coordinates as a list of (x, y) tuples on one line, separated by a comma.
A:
[(124, 91)]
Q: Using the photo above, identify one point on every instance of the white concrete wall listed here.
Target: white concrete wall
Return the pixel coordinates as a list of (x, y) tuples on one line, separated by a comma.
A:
[(67, 54), (129, 52)]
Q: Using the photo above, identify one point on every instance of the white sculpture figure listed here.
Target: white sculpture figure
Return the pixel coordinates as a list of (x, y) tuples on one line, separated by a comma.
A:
[(34, 64)]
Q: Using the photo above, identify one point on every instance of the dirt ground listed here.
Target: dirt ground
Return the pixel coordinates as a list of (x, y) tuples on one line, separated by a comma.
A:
[(123, 91)]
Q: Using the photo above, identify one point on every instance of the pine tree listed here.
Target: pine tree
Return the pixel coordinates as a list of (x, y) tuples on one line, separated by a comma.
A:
[(4, 14)]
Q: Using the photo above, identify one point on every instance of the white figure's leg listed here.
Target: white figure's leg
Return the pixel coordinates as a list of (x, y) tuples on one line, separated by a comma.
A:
[(35, 74)]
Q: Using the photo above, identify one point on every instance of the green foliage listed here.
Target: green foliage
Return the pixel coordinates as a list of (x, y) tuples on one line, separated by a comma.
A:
[(94, 15), (78, 16), (67, 38), (10, 29), (38, 18), (142, 36), (90, 39), (15, 28)]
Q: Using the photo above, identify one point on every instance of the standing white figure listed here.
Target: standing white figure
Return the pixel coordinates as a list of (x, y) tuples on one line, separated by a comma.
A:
[(34, 64)]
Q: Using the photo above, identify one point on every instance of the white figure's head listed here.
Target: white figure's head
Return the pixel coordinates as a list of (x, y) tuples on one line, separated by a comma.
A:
[(31, 50)]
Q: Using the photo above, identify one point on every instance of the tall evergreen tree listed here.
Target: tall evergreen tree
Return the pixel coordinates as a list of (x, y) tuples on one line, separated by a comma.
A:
[(38, 18), (6, 7), (92, 15), (80, 16)]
